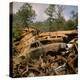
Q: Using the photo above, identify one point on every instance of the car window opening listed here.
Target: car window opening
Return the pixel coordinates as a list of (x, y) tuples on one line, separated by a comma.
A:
[(45, 42), (35, 45), (53, 36)]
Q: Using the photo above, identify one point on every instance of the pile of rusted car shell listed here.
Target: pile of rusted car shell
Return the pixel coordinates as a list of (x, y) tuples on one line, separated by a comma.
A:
[(66, 62)]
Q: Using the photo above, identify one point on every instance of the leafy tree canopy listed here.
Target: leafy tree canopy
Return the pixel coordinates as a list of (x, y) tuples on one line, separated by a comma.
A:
[(25, 15)]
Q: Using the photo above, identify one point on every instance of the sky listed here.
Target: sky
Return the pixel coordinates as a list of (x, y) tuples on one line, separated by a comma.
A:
[(40, 8)]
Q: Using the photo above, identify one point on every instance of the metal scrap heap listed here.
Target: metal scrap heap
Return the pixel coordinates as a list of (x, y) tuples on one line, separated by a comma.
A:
[(45, 60), (59, 64)]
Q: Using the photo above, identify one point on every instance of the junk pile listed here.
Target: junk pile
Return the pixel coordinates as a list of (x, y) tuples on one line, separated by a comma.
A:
[(62, 63)]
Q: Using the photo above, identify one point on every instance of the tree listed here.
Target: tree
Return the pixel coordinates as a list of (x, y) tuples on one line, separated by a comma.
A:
[(25, 15), (69, 25), (73, 21), (56, 19), (50, 12), (74, 18), (23, 18)]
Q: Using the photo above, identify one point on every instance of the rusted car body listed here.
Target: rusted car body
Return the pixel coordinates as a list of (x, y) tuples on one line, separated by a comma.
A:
[(45, 47)]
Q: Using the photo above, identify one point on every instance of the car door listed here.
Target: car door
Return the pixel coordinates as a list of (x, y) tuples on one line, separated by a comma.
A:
[(36, 50)]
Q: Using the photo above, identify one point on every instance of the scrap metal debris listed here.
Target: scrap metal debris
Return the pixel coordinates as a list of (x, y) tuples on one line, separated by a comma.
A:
[(60, 62)]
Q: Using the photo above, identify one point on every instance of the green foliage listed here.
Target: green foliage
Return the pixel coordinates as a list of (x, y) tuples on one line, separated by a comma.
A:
[(74, 18), (56, 20), (17, 31), (25, 15), (50, 12), (70, 25), (42, 26), (23, 18)]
